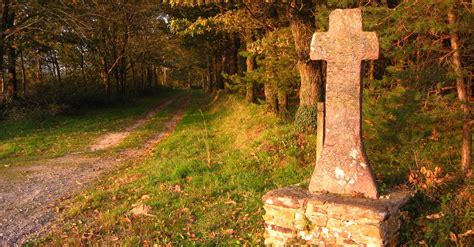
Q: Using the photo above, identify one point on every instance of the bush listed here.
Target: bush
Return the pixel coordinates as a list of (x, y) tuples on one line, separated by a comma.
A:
[(69, 93), (48, 99)]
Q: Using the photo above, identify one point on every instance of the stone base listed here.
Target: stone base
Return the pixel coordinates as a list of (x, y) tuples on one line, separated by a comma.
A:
[(294, 216)]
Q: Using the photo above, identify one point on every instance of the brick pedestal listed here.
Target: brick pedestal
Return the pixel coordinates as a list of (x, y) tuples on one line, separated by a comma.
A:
[(295, 216)]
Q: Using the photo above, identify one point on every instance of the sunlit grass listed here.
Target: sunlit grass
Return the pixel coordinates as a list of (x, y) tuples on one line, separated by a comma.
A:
[(32, 139), (192, 200), (204, 183)]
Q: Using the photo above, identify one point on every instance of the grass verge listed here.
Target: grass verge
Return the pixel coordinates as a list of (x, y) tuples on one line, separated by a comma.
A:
[(203, 184)]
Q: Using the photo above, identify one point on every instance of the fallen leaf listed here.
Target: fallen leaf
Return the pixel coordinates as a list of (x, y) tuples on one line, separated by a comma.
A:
[(230, 202), (229, 231), (177, 188), (112, 238), (453, 237), (434, 135), (141, 209), (467, 233), (435, 216)]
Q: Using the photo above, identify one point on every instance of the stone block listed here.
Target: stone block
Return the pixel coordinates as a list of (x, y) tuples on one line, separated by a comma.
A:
[(317, 219), (286, 198), (284, 217), (294, 215)]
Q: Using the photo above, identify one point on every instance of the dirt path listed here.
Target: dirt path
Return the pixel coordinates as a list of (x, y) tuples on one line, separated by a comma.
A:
[(113, 139), (30, 194)]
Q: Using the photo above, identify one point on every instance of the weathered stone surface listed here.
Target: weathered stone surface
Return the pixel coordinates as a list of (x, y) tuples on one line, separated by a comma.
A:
[(280, 216), (317, 219), (286, 197), (343, 167), (328, 219)]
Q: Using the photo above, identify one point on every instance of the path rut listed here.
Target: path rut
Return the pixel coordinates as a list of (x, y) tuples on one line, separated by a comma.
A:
[(28, 202)]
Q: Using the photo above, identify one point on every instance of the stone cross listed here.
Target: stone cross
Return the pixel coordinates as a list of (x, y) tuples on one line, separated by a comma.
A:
[(343, 167)]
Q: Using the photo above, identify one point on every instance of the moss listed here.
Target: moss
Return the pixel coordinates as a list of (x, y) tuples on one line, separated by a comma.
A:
[(306, 119)]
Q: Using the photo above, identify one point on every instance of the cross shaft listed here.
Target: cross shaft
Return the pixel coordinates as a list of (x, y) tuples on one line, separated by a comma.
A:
[(343, 167)]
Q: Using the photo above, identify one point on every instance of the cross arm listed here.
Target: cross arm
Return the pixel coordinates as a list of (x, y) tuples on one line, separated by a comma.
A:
[(320, 46), (370, 46)]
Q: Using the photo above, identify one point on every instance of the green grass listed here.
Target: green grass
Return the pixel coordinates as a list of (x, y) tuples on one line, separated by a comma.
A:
[(192, 200), (32, 139)]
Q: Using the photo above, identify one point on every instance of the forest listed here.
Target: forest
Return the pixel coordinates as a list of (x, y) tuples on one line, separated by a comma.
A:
[(221, 103)]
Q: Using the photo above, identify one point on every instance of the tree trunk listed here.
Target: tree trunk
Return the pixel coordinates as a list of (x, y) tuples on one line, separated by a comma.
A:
[(83, 71), (250, 87), (12, 79), (124, 76), (142, 77), (208, 86), (203, 80), (51, 70), (134, 77), (242, 65), (282, 101), (371, 70), (234, 53), (217, 72), (189, 77), (150, 77), (271, 97), (224, 68), (165, 76), (462, 95), (105, 75), (39, 72), (124, 57), (302, 26), (58, 69), (155, 74), (310, 91), (23, 73), (3, 28), (115, 67)]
